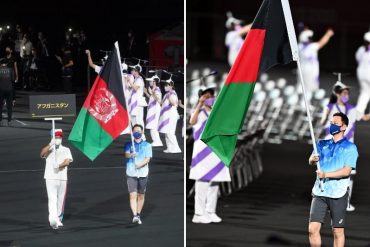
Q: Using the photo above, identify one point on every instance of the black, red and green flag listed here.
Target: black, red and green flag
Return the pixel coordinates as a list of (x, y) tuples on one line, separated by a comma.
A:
[(104, 115), (266, 45)]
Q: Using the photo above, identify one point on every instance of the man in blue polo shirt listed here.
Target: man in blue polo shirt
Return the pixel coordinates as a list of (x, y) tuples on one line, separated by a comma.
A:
[(337, 157), (137, 169)]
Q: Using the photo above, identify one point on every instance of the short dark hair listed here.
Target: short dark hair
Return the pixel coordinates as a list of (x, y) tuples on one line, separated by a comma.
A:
[(138, 125), (156, 80), (342, 116), (208, 90)]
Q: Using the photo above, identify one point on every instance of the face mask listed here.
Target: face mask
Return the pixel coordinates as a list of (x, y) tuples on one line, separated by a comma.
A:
[(137, 135), (334, 129), (167, 88), (344, 98), (58, 141), (209, 102), (151, 83)]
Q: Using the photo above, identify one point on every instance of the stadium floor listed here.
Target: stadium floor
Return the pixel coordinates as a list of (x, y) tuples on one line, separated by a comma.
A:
[(97, 211)]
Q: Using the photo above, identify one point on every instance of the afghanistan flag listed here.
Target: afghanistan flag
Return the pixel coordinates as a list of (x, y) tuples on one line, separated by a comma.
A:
[(103, 116), (266, 45)]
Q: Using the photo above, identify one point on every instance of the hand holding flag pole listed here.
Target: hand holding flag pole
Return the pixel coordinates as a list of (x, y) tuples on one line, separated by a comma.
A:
[(295, 54)]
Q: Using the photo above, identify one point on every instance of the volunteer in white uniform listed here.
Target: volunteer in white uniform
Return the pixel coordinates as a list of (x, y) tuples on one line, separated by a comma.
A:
[(154, 110), (339, 102), (169, 117), (98, 68), (363, 75), (206, 167), (234, 37), (308, 54), (58, 158), (136, 101)]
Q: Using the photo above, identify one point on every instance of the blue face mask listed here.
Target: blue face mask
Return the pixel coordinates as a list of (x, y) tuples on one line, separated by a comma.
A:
[(137, 135), (334, 129)]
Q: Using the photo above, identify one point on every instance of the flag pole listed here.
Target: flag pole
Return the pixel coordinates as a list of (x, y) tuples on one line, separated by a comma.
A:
[(295, 55), (129, 117)]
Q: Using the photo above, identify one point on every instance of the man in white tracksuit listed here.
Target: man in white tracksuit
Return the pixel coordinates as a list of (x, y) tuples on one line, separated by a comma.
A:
[(308, 54), (58, 158), (363, 75)]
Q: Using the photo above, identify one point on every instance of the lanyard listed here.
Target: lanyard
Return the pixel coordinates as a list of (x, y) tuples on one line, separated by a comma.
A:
[(345, 106)]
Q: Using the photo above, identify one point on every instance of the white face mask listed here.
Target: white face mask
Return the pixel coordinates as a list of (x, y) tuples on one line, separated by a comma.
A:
[(58, 141)]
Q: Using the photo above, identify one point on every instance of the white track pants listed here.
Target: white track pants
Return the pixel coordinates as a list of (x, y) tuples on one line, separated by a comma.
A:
[(206, 196), (57, 190)]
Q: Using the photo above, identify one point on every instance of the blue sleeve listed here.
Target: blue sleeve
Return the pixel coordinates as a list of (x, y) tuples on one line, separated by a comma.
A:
[(127, 147), (351, 156), (148, 151)]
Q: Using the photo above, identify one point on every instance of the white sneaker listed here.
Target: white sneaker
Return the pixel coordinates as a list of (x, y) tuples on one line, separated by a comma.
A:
[(54, 224), (202, 219), (350, 208), (214, 217), (135, 219), (59, 224), (172, 151), (154, 144), (139, 220)]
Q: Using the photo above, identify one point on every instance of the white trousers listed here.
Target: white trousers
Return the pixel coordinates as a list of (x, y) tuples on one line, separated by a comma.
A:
[(364, 97), (350, 190), (57, 190), (171, 143), (155, 137), (206, 196), (139, 117)]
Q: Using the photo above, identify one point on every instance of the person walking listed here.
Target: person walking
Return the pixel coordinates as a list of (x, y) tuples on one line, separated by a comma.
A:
[(337, 157), (138, 154), (58, 159)]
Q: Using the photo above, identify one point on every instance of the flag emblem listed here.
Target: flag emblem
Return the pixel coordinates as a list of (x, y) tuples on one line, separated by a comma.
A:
[(104, 106)]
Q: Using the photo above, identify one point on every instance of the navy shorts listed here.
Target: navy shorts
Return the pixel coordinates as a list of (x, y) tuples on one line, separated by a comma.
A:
[(336, 206), (136, 184)]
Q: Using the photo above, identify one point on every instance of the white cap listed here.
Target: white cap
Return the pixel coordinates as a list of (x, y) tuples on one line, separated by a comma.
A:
[(137, 67), (152, 78), (124, 66), (367, 36), (305, 35), (341, 85), (231, 20)]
